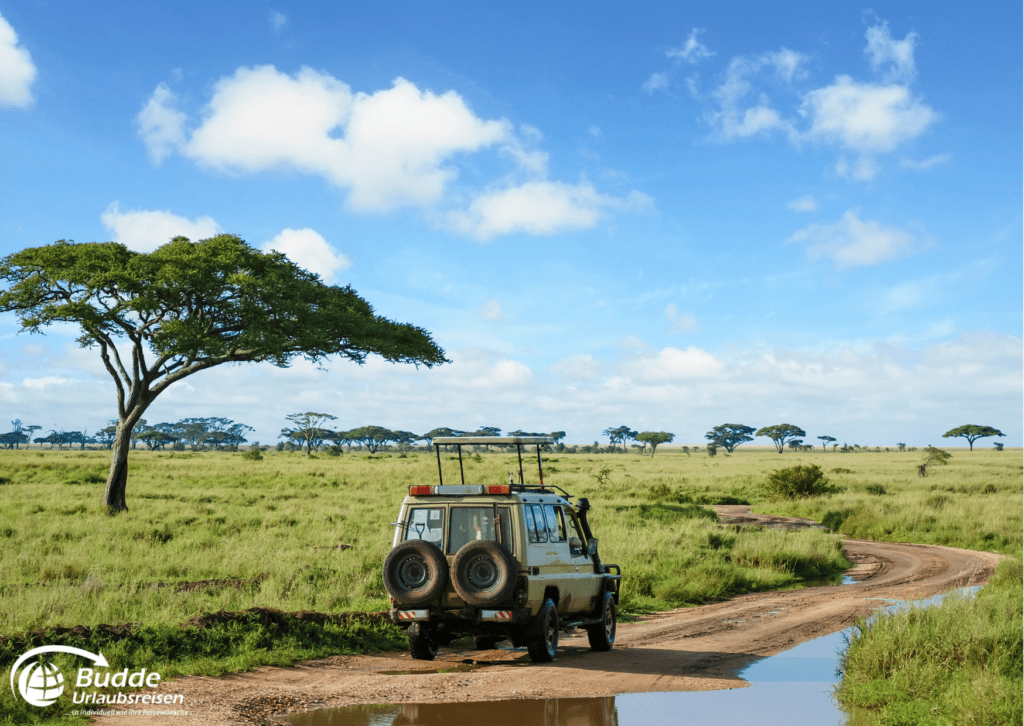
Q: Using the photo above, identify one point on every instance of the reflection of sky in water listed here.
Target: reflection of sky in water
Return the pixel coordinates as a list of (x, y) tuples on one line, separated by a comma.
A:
[(792, 688)]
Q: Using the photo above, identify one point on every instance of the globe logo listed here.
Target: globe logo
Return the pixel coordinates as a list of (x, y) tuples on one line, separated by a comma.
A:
[(41, 683)]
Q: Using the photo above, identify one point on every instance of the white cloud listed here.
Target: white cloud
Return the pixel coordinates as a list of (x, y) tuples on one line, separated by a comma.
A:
[(17, 72), (492, 312), (538, 207), (583, 367), (926, 164), (161, 126), (806, 203), (894, 58), (388, 149), (852, 242), (672, 364), (870, 119), (656, 82), (865, 117), (307, 249), (679, 322), (691, 51), (278, 20), (595, 131), (144, 231), (736, 118)]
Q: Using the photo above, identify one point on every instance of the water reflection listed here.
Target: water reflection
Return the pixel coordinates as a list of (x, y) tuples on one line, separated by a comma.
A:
[(549, 712), (792, 688)]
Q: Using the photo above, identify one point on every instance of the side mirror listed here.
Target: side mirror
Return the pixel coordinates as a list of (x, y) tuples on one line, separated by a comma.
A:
[(592, 546)]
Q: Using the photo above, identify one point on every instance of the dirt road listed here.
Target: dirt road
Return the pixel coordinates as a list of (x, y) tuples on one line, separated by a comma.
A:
[(690, 649)]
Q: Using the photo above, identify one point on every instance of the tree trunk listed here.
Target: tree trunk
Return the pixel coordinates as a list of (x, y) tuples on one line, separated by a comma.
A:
[(117, 478)]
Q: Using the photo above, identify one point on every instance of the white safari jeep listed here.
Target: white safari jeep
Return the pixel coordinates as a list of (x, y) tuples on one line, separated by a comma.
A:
[(511, 561)]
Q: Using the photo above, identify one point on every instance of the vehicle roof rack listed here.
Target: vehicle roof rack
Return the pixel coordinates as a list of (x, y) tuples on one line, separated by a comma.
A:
[(518, 441)]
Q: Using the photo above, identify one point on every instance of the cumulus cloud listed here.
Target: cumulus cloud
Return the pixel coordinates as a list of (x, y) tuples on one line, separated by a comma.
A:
[(538, 207), (388, 149), (806, 203), (853, 242), (865, 117), (145, 230), (893, 58), (160, 124), (17, 72), (691, 51), (582, 367), (391, 148), (672, 364), (679, 322), (310, 251), (738, 118)]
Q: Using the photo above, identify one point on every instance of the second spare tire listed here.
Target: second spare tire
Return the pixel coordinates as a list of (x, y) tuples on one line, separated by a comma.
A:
[(484, 573)]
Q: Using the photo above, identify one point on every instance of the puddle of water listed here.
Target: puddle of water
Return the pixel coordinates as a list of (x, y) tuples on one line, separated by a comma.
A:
[(792, 688)]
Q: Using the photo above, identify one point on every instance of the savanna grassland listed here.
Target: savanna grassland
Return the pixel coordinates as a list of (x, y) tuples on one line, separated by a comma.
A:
[(211, 531)]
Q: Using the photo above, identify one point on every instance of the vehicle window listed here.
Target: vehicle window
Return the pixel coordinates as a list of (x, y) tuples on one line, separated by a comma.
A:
[(556, 525), (531, 525), (576, 539), (472, 523), (426, 523), (539, 532)]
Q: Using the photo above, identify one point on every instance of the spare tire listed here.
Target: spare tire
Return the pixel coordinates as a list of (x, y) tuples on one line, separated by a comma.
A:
[(415, 573), (484, 573)]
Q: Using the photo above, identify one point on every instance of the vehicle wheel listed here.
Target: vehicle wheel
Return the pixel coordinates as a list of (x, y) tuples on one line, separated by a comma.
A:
[(484, 573), (415, 573), (422, 646), (602, 635), (543, 640)]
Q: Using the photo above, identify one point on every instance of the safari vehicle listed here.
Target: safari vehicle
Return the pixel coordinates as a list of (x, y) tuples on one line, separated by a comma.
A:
[(502, 561)]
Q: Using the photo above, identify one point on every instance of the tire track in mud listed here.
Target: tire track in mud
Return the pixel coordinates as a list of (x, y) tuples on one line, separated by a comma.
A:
[(689, 649)]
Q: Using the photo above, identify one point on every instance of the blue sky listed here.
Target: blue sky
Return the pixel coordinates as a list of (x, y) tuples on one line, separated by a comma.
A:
[(665, 216)]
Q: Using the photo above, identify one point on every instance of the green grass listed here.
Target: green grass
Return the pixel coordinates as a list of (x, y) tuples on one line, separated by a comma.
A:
[(264, 534), (955, 664)]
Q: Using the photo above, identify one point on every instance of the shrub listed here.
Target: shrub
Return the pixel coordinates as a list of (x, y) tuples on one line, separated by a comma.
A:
[(805, 480), (875, 489)]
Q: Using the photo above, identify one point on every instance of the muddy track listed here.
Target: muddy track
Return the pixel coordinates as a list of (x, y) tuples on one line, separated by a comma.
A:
[(690, 649)]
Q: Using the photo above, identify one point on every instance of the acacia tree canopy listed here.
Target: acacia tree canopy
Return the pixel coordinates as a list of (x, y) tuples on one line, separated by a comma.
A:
[(187, 306), (654, 438), (729, 436), (972, 433), (781, 433)]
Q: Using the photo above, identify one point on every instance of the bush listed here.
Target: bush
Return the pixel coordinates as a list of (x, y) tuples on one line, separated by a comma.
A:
[(796, 482)]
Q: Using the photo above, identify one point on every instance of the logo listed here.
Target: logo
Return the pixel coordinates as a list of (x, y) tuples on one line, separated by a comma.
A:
[(40, 684)]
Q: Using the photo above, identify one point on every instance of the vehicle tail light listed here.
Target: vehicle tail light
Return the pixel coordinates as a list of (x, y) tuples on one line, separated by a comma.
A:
[(420, 490), (498, 489)]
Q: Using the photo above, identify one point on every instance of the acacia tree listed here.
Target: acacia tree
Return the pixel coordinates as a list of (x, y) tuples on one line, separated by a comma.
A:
[(620, 435), (161, 316), (972, 433), (729, 436), (654, 438), (781, 433), (308, 429), (825, 441)]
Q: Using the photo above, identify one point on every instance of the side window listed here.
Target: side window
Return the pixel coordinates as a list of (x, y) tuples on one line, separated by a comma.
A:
[(426, 523), (536, 524), (556, 525), (576, 539)]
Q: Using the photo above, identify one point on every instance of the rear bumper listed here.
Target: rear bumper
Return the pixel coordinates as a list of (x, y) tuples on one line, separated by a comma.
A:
[(463, 616)]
